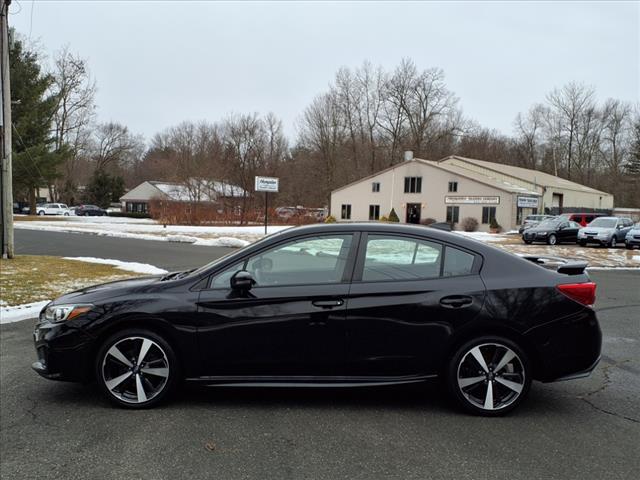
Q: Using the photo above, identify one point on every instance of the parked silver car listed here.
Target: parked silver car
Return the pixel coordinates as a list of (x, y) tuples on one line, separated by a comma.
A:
[(609, 231), (633, 237), (532, 221)]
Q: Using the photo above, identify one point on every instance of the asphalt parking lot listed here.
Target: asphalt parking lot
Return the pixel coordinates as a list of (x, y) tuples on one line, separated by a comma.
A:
[(588, 428)]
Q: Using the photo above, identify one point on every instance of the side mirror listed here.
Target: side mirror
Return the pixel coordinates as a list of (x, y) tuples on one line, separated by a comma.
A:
[(242, 280), (619, 227)]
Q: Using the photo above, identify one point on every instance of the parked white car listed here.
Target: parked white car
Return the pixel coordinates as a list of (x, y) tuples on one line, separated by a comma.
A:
[(53, 209)]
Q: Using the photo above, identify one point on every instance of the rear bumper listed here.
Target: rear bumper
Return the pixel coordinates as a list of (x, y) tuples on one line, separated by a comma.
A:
[(567, 348)]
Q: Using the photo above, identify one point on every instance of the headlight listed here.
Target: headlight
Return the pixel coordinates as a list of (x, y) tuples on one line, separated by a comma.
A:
[(61, 313)]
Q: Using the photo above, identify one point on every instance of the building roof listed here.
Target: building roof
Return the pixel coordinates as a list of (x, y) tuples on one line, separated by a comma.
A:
[(495, 182), (462, 172), (196, 190), (532, 176)]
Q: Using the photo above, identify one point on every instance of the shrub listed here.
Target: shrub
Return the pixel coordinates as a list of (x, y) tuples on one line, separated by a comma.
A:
[(494, 225), (383, 219), (469, 224), (330, 219), (129, 214), (393, 216), (427, 221)]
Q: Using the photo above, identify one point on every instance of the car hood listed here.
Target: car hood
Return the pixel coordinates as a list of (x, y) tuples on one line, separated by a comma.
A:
[(95, 293), (597, 230), (634, 231)]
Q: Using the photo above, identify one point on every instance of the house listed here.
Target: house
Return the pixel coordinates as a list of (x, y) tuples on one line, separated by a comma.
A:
[(457, 187), (220, 194)]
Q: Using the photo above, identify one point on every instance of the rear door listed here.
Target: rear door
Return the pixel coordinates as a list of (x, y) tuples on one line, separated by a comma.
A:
[(407, 297)]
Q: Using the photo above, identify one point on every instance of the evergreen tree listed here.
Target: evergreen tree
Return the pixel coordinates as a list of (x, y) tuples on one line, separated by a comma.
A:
[(393, 216), (35, 162), (104, 189), (633, 165)]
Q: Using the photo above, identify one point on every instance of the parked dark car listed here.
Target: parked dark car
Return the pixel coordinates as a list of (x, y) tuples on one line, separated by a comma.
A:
[(332, 305), (605, 231), (90, 211), (552, 231), (583, 219), (532, 221)]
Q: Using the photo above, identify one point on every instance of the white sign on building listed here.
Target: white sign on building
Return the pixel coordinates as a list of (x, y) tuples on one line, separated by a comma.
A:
[(473, 200), (267, 184), (528, 202)]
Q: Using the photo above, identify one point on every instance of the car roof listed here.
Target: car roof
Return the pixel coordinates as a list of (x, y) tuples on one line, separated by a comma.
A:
[(391, 228)]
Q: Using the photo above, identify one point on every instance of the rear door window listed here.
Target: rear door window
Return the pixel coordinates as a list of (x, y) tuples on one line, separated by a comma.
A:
[(398, 258), (457, 262)]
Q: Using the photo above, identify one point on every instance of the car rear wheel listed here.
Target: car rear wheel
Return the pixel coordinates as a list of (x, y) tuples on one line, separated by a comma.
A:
[(136, 369), (552, 240), (489, 376)]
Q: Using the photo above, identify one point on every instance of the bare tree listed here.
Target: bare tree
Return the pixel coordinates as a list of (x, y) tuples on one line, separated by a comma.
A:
[(113, 145)]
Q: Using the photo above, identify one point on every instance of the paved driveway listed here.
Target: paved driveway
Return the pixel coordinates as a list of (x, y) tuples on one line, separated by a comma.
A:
[(584, 429)]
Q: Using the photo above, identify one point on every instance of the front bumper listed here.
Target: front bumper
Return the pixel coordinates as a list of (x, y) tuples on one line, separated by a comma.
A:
[(64, 352), (534, 237), (633, 241)]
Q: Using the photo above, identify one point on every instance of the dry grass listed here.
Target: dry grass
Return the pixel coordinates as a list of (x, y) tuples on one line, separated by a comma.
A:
[(31, 278), (38, 218)]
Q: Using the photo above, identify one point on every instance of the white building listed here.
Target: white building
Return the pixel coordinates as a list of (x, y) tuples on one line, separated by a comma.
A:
[(195, 191), (457, 187)]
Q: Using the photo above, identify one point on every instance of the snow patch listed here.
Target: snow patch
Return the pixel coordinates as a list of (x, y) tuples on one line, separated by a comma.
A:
[(21, 312), (128, 266)]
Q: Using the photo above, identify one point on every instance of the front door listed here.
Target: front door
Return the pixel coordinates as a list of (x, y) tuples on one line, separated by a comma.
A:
[(291, 323), (407, 297), (413, 212)]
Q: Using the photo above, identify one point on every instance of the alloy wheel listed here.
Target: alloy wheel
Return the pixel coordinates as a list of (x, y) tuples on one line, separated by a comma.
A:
[(135, 369), (552, 240), (491, 376), (613, 242)]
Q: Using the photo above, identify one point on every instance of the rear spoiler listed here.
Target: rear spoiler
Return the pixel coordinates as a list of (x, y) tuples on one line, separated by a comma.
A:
[(562, 265)]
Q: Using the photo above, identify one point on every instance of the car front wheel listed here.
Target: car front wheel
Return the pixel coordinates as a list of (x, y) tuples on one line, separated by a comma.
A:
[(136, 369), (41, 213), (489, 376), (613, 243), (552, 240)]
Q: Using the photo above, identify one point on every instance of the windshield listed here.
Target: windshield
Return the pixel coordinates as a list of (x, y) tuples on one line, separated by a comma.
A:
[(604, 223), (551, 223)]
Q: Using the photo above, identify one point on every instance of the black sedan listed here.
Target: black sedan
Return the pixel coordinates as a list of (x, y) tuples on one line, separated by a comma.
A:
[(552, 231), (90, 211), (332, 305)]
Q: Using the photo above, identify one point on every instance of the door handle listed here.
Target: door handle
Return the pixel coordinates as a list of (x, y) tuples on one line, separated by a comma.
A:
[(327, 303), (456, 301)]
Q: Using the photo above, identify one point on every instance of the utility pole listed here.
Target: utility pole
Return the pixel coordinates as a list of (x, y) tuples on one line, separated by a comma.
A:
[(6, 195)]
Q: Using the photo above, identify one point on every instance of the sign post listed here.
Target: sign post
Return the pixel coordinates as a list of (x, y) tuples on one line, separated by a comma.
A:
[(266, 185)]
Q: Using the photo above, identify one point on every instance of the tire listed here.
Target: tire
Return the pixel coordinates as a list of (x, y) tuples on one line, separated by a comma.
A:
[(41, 213), (582, 244), (66, 214), (528, 242), (124, 382), (628, 247), (481, 389), (613, 243), (552, 239)]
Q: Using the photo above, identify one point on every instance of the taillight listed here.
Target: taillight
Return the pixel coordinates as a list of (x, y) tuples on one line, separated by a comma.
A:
[(584, 293)]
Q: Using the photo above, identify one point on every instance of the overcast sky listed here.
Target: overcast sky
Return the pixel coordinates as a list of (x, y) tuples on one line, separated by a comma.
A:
[(159, 63)]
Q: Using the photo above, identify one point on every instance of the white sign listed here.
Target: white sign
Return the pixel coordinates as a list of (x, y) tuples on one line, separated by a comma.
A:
[(528, 202), (266, 184), (472, 200)]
